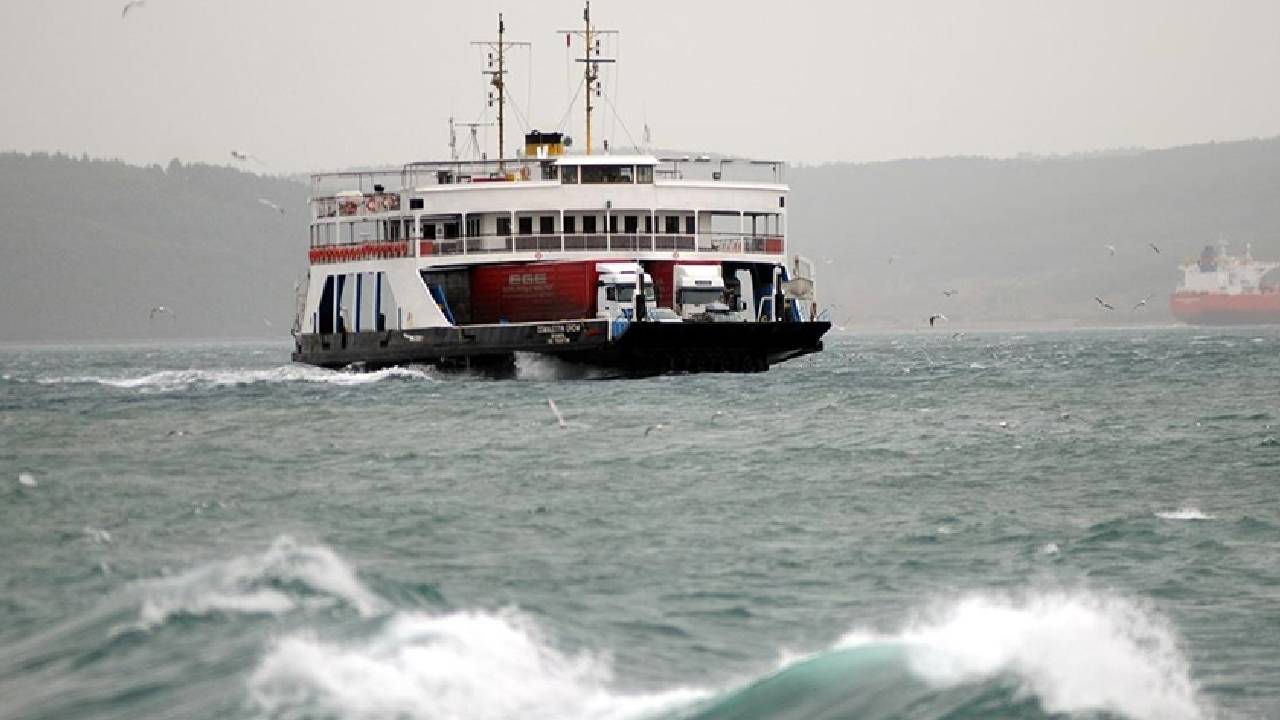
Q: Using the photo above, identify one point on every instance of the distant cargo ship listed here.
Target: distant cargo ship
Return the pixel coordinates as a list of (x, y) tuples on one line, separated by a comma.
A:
[(1222, 289)]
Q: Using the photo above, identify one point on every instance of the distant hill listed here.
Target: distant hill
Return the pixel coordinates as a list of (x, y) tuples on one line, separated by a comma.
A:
[(90, 245), (1025, 240)]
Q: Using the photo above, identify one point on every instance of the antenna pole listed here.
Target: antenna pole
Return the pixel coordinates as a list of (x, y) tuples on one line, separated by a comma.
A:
[(502, 97), (499, 81), (588, 75), (591, 62)]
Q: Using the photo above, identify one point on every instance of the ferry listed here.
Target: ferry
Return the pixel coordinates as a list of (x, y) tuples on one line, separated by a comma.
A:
[(636, 262)]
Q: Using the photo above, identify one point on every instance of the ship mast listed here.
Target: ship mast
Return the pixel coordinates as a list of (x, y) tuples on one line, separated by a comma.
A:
[(499, 82), (590, 62)]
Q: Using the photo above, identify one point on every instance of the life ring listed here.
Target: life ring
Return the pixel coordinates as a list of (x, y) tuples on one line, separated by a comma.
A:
[(371, 204), (675, 255), (537, 255)]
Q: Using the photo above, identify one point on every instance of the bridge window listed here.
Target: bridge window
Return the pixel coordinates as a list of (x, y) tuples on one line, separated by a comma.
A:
[(644, 173), (569, 175), (608, 174)]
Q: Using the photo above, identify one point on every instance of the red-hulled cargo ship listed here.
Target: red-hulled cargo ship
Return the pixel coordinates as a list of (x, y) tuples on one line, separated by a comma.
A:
[(1221, 289)]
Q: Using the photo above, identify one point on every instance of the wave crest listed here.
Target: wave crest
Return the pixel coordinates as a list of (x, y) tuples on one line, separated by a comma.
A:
[(284, 578), (1075, 652), (474, 665), (1185, 513), (170, 380)]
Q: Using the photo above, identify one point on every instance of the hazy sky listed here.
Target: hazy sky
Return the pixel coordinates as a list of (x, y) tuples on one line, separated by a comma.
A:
[(317, 84)]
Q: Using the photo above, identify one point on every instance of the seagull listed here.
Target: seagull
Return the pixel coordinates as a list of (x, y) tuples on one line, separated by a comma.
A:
[(1103, 304), (1142, 302), (131, 5), (935, 318), (556, 410), (1112, 248), (1153, 247), (266, 322), (271, 205), (652, 428), (957, 336), (892, 258), (244, 157), (160, 310), (949, 293)]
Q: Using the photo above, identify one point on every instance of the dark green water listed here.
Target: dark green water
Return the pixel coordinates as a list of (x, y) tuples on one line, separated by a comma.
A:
[(1042, 525)]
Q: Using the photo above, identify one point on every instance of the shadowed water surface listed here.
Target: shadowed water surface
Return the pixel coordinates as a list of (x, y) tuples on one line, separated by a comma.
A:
[(1000, 525)]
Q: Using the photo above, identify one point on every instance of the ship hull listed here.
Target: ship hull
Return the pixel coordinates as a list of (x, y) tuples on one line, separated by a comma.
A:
[(650, 348), (1226, 309)]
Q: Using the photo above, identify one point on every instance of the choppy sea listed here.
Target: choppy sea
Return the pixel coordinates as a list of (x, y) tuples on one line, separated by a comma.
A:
[(992, 525)]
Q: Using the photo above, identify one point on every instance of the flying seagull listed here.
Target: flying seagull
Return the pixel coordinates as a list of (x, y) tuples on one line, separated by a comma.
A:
[(1142, 302), (160, 310), (935, 318), (244, 157), (1103, 304), (949, 293), (556, 411), (124, 12), (1153, 247), (652, 428), (271, 205), (1112, 249)]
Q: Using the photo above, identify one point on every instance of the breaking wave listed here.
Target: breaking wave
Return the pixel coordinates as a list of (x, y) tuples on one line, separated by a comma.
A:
[(342, 651), (1186, 513), (288, 576), (169, 380), (983, 656), (483, 666)]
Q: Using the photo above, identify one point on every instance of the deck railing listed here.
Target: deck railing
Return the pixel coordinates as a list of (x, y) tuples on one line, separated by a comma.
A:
[(541, 245)]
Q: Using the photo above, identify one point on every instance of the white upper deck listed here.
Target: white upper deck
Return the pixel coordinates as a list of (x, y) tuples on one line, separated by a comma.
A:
[(498, 209)]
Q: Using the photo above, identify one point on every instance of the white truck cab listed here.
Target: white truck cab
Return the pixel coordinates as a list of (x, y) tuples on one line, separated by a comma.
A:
[(700, 293), (616, 289)]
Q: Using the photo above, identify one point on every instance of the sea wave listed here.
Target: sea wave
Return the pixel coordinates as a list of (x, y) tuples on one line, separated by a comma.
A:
[(1075, 652), (981, 656), (475, 665), (169, 380), (1185, 513), (286, 577)]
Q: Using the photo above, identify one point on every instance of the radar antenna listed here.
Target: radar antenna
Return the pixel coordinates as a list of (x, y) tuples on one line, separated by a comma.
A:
[(591, 61), (499, 81)]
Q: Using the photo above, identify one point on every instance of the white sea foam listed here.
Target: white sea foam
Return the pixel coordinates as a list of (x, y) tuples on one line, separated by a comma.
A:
[(1076, 652), (475, 665), (169, 380), (283, 578), (1185, 513), (532, 366)]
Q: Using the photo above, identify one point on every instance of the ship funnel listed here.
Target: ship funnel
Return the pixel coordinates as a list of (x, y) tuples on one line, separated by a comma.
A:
[(541, 145)]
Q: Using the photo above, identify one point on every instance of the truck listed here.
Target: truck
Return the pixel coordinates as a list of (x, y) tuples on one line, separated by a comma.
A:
[(535, 292)]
